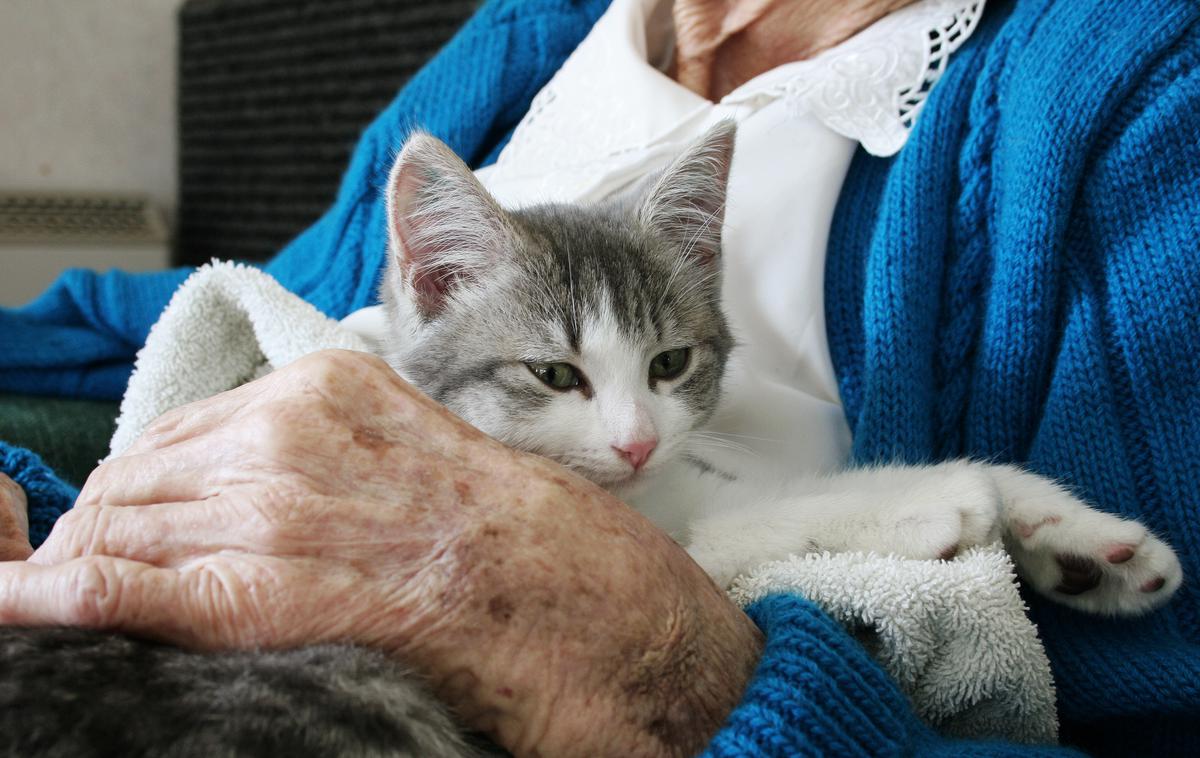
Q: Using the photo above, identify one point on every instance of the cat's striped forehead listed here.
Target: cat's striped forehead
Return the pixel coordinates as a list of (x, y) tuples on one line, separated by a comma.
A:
[(594, 270)]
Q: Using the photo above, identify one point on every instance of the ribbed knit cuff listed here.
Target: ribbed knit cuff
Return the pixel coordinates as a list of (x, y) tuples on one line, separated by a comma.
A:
[(49, 497), (815, 692)]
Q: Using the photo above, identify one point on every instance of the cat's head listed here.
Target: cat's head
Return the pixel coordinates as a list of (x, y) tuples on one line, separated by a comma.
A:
[(590, 335)]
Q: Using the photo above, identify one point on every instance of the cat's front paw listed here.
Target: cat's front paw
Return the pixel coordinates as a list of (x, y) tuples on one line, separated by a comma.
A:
[(936, 517), (1082, 557), (1095, 562)]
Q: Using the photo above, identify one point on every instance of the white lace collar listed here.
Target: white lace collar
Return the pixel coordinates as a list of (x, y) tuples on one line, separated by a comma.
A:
[(869, 88)]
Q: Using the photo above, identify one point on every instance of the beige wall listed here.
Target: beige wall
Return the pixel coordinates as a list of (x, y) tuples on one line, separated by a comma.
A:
[(87, 95), (87, 102)]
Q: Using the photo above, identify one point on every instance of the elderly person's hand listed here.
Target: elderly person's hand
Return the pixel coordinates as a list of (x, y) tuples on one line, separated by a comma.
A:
[(14, 522), (332, 501)]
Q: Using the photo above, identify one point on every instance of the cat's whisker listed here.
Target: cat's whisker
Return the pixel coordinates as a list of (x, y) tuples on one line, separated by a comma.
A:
[(743, 436), (571, 306), (701, 449), (703, 228), (696, 284), (678, 266), (724, 444), (685, 254), (706, 439)]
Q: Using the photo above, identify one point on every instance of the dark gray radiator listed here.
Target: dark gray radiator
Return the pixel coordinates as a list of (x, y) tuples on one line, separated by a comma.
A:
[(272, 96)]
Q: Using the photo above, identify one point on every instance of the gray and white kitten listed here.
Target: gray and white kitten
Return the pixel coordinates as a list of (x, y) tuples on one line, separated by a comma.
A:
[(593, 336)]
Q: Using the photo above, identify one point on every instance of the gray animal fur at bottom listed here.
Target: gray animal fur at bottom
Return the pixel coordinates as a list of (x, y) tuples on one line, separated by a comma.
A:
[(76, 693)]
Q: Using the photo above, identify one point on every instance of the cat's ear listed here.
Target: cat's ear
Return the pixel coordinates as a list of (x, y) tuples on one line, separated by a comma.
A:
[(444, 228), (686, 202)]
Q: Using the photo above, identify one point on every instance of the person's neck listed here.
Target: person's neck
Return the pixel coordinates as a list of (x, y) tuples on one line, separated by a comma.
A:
[(721, 44)]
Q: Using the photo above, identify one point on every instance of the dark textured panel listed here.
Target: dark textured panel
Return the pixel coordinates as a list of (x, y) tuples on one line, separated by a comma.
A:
[(272, 97), (70, 435)]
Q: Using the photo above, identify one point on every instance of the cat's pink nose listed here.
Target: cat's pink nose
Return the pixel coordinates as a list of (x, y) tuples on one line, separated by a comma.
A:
[(636, 452)]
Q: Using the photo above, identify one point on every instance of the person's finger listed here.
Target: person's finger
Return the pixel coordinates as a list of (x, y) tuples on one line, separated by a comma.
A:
[(166, 534), (193, 470), (103, 593), (194, 419), (10, 491), (12, 549), (14, 511)]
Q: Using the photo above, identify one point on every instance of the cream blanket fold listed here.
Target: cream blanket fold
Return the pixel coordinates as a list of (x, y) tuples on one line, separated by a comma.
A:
[(227, 324), (954, 634)]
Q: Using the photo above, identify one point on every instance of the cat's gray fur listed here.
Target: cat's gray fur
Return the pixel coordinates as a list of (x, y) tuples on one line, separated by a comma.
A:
[(69, 693), (82, 693)]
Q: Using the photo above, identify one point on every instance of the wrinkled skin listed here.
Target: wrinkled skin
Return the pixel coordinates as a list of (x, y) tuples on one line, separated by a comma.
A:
[(332, 501), (722, 44)]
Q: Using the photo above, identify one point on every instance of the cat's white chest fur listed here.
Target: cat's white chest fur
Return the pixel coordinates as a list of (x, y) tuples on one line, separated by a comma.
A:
[(676, 496)]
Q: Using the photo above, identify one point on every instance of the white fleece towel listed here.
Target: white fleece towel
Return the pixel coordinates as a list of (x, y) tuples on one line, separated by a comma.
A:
[(954, 634), (227, 324)]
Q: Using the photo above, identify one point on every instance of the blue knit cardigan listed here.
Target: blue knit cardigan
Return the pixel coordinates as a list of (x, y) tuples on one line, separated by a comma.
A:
[(1019, 283)]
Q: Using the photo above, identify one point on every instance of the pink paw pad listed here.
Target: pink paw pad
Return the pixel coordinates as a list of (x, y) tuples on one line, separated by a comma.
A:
[(1154, 585), (1119, 553)]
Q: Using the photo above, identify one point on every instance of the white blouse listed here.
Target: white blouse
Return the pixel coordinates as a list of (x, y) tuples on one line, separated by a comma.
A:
[(610, 116)]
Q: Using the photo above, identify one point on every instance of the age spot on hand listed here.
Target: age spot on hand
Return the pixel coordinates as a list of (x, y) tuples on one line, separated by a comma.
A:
[(370, 440), (463, 490), (500, 609)]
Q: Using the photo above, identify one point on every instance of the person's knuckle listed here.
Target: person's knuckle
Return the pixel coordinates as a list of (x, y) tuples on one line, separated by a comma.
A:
[(369, 362), (274, 430), (338, 369), (95, 593), (165, 424), (327, 368), (94, 489), (74, 532)]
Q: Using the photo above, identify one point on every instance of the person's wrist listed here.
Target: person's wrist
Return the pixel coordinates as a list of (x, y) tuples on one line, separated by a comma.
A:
[(694, 675), (672, 693), (661, 660)]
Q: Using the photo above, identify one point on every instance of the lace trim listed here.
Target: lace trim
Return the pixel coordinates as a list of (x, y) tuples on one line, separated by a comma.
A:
[(943, 40), (873, 87)]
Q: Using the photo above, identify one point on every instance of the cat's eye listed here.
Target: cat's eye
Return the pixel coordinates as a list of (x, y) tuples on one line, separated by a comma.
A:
[(670, 363), (560, 376)]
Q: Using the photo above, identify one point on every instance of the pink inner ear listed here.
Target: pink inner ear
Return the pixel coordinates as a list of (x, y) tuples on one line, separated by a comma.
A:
[(405, 191), (430, 286), (430, 283)]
